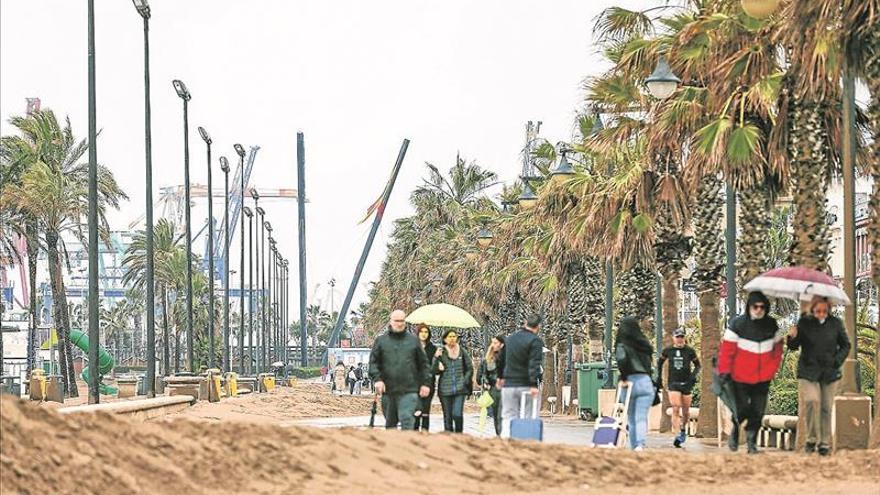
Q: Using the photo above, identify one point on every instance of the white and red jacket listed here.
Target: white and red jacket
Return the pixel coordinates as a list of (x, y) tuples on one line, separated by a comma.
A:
[(750, 350)]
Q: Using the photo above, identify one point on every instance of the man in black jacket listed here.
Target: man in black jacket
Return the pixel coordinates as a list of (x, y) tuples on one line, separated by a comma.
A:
[(521, 370), (400, 373)]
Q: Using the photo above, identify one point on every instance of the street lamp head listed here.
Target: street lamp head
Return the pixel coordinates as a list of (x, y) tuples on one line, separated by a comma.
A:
[(182, 92), (239, 149), (224, 164), (205, 136), (527, 199), (269, 228), (255, 194), (143, 8), (261, 211), (564, 170), (662, 82), (247, 211), (484, 237)]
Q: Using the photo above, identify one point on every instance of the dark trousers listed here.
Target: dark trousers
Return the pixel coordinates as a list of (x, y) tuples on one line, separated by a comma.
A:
[(496, 409), (751, 401), (423, 420), (453, 412), (400, 408)]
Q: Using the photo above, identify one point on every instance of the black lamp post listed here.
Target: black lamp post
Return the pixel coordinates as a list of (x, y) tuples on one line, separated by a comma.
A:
[(250, 215), (224, 166), (286, 304), (143, 9), (267, 274), (257, 214), (211, 344), (239, 149), (94, 332), (185, 95), (261, 269)]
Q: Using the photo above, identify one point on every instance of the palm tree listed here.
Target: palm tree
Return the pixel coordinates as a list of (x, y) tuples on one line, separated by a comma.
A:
[(54, 190), (165, 245)]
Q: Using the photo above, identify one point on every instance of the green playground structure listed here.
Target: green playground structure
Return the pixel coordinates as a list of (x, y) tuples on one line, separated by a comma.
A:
[(105, 362)]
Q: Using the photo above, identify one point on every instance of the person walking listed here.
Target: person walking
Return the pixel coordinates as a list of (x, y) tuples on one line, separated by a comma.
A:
[(487, 377), (324, 373), (400, 372), (423, 413), (352, 380), (521, 371), (456, 371), (749, 355), (684, 368), (358, 378), (339, 376), (824, 346), (634, 355)]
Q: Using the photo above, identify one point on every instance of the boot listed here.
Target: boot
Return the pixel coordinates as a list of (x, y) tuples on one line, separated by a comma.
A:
[(733, 439), (752, 441), (426, 423)]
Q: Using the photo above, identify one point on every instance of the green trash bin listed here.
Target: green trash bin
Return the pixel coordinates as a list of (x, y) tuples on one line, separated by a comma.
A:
[(591, 378)]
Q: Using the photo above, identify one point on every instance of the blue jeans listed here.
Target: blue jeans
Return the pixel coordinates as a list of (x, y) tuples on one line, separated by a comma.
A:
[(453, 412), (642, 389)]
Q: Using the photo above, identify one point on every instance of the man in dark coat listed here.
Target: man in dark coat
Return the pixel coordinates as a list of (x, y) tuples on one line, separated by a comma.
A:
[(400, 372), (520, 373), (824, 346)]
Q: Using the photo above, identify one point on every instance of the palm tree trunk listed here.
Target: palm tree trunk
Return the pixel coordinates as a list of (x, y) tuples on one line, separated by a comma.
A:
[(33, 246), (62, 321), (670, 323), (707, 424)]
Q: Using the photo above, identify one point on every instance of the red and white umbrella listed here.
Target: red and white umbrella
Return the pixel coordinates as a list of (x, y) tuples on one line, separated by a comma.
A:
[(798, 283)]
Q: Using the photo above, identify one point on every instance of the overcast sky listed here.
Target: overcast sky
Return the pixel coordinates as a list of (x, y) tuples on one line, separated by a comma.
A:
[(356, 77)]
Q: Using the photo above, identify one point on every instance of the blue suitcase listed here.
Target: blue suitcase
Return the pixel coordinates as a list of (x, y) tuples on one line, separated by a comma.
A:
[(527, 428), (610, 431)]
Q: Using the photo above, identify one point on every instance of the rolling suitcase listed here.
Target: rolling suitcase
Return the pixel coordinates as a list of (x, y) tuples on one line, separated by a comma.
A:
[(523, 428), (610, 431)]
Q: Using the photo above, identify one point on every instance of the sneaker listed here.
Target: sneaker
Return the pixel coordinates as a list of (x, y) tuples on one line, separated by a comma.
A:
[(824, 450), (639, 449), (676, 443), (810, 447)]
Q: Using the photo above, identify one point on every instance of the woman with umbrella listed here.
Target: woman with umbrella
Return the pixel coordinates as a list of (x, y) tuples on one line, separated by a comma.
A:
[(456, 371), (824, 346)]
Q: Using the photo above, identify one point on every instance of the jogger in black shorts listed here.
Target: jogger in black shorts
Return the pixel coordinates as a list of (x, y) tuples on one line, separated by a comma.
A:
[(684, 367)]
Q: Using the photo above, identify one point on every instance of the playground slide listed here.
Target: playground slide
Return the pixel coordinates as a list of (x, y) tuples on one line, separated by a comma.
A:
[(105, 361)]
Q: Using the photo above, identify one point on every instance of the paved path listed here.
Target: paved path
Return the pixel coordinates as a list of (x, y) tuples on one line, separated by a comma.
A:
[(559, 430)]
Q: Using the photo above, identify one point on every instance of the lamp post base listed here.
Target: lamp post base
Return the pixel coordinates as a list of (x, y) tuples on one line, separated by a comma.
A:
[(851, 421)]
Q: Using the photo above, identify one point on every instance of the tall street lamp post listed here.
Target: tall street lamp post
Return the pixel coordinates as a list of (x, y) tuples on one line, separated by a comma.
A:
[(211, 344), (94, 335), (224, 166), (143, 9), (185, 95), (258, 214), (269, 310), (239, 149), (264, 290), (250, 290)]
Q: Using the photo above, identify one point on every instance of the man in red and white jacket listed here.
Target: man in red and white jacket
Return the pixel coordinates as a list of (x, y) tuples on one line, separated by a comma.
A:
[(749, 355)]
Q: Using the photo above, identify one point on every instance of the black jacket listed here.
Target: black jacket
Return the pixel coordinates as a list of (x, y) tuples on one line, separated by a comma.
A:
[(824, 347), (467, 367), (523, 355), (430, 349), (397, 359), (486, 377), (632, 361)]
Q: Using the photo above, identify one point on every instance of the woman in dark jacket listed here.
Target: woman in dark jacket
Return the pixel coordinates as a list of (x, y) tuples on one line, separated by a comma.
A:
[(487, 377), (634, 355), (456, 380), (423, 412), (824, 346)]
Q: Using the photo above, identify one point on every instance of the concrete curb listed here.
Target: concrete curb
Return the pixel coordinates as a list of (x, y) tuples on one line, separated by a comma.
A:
[(143, 409)]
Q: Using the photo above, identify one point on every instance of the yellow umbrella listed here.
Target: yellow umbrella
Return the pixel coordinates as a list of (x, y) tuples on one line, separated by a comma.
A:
[(442, 315), (53, 340)]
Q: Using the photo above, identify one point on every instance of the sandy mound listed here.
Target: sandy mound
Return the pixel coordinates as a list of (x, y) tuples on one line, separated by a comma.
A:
[(304, 400), (42, 452)]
